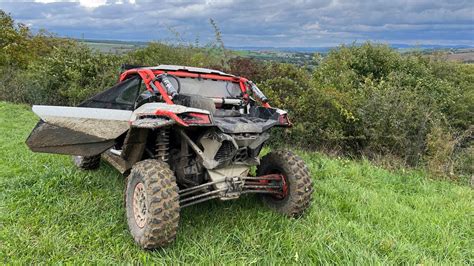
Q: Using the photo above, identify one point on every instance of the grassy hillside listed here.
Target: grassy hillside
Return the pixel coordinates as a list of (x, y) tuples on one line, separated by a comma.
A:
[(51, 212)]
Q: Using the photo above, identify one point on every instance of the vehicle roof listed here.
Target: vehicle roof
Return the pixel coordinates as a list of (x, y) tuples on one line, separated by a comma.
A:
[(189, 69)]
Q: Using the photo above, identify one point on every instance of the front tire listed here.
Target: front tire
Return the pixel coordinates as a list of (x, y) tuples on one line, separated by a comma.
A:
[(297, 190), (152, 204)]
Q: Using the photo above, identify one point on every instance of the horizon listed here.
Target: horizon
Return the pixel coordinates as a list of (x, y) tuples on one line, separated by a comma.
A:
[(293, 48), (304, 24)]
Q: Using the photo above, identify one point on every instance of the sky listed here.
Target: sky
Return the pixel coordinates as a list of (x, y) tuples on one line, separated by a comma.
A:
[(273, 23)]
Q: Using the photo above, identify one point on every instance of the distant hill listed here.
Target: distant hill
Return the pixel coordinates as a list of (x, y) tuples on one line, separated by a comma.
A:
[(295, 55), (288, 49), (327, 48)]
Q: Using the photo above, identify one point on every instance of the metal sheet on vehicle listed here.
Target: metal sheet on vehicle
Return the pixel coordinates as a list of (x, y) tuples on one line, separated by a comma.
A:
[(53, 139), (77, 130), (99, 122)]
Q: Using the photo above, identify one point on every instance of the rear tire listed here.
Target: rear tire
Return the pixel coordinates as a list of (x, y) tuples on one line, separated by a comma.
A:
[(298, 192), (87, 162), (152, 204)]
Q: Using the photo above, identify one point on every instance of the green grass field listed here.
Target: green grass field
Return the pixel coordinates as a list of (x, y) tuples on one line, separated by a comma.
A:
[(51, 212)]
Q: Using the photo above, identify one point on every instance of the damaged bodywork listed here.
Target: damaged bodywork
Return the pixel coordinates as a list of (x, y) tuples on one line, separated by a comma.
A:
[(76, 130)]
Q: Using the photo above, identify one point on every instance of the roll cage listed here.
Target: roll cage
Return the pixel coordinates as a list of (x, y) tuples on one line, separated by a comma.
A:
[(149, 75)]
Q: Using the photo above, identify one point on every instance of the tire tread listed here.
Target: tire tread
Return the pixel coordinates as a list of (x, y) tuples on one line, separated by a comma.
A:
[(163, 212), (301, 187)]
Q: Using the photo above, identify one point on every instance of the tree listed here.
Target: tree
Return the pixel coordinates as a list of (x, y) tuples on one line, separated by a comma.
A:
[(13, 42)]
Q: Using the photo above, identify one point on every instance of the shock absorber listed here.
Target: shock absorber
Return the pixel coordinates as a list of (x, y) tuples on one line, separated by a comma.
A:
[(162, 144)]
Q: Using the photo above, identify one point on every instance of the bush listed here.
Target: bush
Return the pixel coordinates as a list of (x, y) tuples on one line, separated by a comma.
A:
[(14, 42), (72, 73), (370, 100)]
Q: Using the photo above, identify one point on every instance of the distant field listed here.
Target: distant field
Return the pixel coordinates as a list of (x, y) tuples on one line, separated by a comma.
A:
[(290, 55), (466, 57), (110, 47), (51, 212)]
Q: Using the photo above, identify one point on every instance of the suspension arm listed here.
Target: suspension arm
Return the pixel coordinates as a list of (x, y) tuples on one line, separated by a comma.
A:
[(236, 185)]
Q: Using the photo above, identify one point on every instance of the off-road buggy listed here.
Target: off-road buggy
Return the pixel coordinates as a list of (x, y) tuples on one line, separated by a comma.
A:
[(181, 135)]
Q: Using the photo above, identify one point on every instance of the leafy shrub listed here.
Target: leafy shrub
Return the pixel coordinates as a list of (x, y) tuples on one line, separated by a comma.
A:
[(370, 100), (13, 42), (72, 73)]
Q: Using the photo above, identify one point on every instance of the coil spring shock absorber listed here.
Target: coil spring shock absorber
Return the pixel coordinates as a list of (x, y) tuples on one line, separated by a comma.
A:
[(162, 144)]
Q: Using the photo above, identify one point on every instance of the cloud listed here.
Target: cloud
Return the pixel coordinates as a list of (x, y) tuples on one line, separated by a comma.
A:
[(255, 23)]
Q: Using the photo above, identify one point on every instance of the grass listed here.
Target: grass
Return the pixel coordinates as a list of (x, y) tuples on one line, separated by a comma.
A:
[(51, 212)]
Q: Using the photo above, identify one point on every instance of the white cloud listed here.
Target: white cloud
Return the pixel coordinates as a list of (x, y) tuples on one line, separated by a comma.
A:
[(256, 22), (46, 1), (92, 3)]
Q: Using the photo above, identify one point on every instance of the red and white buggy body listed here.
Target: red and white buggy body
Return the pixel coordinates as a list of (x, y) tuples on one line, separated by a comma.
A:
[(181, 135)]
